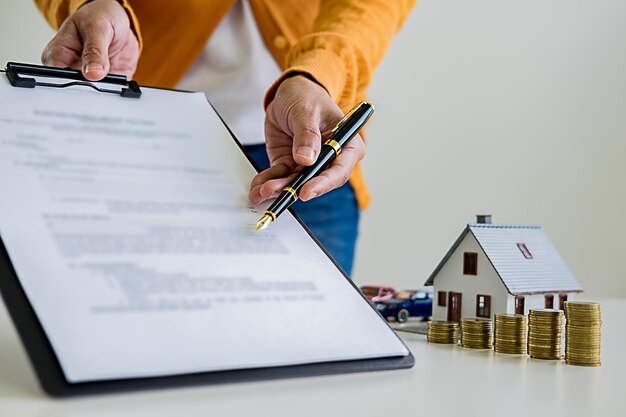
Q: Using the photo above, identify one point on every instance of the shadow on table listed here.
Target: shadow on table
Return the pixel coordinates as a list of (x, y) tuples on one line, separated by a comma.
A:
[(17, 379)]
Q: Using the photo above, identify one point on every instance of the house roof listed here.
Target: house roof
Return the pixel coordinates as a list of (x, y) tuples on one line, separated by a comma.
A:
[(546, 272)]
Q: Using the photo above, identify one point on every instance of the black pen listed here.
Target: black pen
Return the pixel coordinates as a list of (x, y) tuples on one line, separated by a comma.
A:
[(347, 128)]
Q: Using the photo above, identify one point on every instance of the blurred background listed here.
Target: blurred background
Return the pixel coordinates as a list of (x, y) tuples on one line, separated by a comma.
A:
[(515, 109)]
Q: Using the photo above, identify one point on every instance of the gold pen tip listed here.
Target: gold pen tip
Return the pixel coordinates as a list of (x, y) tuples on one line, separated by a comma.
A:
[(264, 222)]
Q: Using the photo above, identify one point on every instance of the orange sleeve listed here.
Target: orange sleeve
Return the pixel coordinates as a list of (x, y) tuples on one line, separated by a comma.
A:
[(56, 11), (348, 41)]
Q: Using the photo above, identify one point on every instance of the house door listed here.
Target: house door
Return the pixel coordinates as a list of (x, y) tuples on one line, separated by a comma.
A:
[(519, 304), (454, 306)]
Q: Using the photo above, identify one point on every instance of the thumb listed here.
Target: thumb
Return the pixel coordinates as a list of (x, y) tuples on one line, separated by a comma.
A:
[(97, 38), (307, 137)]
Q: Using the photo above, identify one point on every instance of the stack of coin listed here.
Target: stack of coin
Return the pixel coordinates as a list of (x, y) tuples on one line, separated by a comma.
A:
[(582, 333), (476, 333), (510, 333), (445, 332), (545, 327)]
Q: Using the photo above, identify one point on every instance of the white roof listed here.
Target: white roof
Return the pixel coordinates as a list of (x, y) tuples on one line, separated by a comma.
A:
[(546, 272)]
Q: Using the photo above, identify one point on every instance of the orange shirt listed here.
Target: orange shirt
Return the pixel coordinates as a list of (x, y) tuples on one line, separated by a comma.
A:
[(338, 43)]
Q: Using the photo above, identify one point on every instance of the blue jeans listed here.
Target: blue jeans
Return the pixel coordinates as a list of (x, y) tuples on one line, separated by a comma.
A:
[(332, 218)]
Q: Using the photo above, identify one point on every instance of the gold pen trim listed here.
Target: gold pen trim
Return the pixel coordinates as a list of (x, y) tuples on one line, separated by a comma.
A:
[(272, 215), (335, 145), (293, 193)]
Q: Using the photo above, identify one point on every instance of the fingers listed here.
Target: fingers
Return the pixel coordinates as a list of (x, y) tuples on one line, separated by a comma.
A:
[(277, 171), (97, 37), (295, 119), (266, 183), (269, 183), (307, 138), (64, 49), (269, 189), (337, 174)]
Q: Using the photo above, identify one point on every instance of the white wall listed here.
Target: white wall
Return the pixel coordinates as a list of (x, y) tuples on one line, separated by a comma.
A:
[(486, 282), (506, 107), (513, 108), (23, 32), (537, 301)]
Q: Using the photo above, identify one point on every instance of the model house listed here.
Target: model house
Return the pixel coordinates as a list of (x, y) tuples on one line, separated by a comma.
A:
[(499, 269)]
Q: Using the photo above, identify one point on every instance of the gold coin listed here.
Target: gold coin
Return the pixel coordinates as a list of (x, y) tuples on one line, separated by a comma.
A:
[(442, 332), (583, 305), (583, 338)]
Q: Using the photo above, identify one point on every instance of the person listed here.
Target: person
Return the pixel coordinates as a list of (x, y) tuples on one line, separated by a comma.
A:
[(280, 72)]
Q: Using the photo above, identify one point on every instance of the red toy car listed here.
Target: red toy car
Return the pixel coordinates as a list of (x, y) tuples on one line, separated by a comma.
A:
[(376, 293)]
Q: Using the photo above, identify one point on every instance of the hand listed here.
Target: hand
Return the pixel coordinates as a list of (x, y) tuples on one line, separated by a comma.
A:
[(297, 122), (96, 39)]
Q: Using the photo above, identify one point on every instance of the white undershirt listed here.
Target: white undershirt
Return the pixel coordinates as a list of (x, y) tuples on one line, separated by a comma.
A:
[(235, 69)]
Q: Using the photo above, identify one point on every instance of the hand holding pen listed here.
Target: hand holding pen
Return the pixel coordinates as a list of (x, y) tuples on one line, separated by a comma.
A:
[(298, 121), (347, 128)]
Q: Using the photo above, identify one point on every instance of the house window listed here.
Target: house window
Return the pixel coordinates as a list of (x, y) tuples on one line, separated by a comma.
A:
[(483, 306), (519, 304), (562, 300), (549, 301), (470, 263), (441, 298), (522, 247)]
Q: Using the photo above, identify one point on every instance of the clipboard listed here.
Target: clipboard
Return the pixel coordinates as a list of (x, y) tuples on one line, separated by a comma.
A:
[(37, 344), (17, 72)]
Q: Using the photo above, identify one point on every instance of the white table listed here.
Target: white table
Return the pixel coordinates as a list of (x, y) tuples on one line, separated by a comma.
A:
[(446, 380)]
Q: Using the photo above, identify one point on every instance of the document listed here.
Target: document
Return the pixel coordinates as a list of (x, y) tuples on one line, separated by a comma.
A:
[(128, 225)]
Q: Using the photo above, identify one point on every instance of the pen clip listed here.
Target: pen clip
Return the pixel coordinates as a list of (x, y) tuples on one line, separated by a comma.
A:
[(345, 118)]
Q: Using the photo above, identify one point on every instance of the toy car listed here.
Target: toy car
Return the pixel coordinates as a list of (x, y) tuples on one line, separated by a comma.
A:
[(405, 304), (377, 294)]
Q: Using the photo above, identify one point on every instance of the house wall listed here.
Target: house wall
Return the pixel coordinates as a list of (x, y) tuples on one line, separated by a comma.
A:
[(487, 282), (530, 302), (535, 301)]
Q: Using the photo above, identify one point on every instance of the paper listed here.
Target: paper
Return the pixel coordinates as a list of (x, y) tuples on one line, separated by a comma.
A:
[(128, 225)]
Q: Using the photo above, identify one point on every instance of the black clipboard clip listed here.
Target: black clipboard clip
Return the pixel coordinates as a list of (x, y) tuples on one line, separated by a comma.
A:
[(15, 70)]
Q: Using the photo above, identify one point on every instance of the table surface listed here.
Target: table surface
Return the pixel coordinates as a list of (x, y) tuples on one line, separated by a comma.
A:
[(446, 380)]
